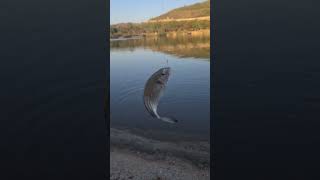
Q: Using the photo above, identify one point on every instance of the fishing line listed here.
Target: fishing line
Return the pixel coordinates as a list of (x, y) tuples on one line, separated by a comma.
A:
[(163, 11)]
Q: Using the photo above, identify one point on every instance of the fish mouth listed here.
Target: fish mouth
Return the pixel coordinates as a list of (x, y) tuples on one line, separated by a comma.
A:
[(166, 71)]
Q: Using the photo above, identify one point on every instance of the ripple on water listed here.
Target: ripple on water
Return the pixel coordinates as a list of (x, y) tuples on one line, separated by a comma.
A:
[(187, 94)]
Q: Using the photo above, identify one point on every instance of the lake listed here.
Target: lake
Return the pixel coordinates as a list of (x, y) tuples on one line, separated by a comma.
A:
[(187, 94)]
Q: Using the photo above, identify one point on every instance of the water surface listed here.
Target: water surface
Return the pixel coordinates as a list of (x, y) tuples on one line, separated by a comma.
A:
[(186, 97)]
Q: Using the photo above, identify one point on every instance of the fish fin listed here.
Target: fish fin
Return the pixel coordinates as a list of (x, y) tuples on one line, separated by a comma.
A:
[(169, 119)]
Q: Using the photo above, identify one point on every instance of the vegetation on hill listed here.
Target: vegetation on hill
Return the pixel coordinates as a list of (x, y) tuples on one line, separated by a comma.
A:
[(163, 27), (160, 28), (192, 11)]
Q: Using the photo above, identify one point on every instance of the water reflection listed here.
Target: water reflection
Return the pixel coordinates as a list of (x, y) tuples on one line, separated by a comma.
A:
[(196, 47), (187, 93)]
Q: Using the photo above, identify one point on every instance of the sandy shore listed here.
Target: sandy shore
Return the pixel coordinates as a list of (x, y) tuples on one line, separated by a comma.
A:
[(140, 158)]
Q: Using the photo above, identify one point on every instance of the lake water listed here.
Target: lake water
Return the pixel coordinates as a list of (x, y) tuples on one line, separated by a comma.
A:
[(187, 94)]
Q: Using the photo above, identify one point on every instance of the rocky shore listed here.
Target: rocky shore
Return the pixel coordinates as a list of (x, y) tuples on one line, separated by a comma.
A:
[(136, 157)]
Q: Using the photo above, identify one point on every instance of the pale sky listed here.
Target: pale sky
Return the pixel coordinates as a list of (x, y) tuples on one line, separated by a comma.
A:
[(142, 10)]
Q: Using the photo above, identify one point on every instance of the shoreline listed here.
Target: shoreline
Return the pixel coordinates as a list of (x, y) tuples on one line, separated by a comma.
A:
[(139, 166), (142, 158), (170, 34)]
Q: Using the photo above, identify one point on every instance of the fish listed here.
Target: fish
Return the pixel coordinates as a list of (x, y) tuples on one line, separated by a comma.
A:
[(153, 90)]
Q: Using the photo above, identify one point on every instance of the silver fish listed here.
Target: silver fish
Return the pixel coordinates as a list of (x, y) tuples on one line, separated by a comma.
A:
[(153, 90)]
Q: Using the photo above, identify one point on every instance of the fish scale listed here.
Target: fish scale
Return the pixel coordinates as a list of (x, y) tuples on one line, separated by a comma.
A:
[(153, 90)]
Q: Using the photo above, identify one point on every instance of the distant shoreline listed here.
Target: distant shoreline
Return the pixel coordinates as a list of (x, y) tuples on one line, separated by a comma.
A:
[(125, 38), (202, 32)]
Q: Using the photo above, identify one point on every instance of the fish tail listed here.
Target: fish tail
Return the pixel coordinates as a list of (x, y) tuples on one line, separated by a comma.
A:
[(168, 119)]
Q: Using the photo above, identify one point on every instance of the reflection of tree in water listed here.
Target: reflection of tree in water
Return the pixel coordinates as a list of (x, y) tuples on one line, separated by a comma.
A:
[(197, 47)]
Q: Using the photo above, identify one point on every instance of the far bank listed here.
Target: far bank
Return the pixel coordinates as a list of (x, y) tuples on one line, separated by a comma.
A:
[(167, 28)]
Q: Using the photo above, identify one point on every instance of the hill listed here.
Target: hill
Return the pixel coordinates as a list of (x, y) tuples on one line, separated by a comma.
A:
[(192, 11), (191, 20)]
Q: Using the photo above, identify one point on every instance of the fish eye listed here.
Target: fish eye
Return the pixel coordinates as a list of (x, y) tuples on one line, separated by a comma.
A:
[(163, 73)]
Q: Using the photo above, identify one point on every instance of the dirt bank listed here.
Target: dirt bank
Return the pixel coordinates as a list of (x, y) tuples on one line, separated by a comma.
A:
[(137, 157)]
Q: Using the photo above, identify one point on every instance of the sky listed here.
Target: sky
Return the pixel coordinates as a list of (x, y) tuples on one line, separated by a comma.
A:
[(122, 11)]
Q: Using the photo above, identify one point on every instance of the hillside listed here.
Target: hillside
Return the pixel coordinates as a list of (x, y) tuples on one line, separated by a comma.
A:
[(184, 20), (192, 11)]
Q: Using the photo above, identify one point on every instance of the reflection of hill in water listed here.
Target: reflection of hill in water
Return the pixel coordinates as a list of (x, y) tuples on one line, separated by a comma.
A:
[(196, 47)]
